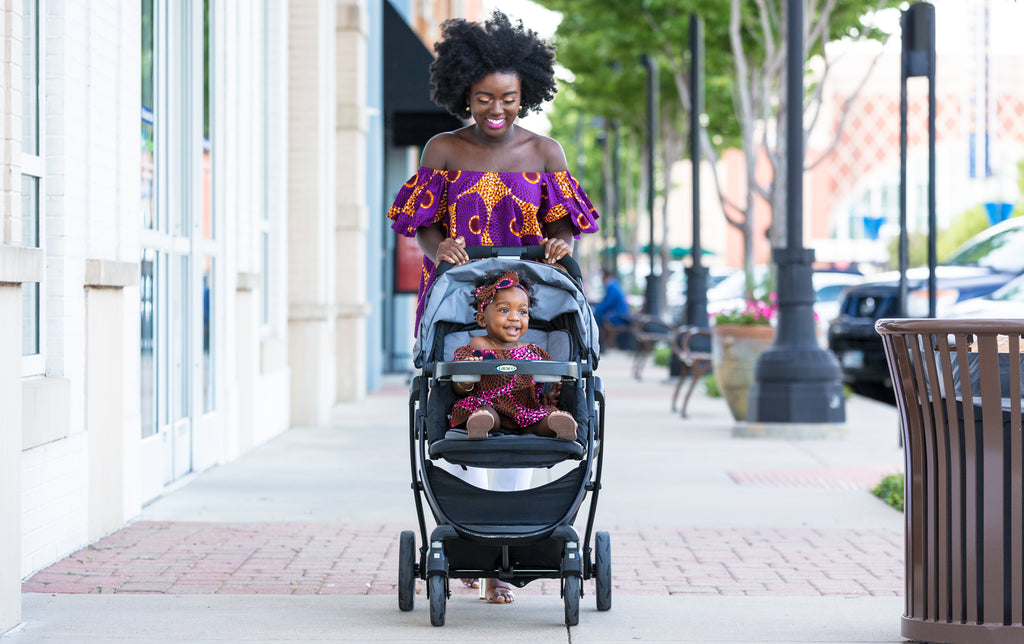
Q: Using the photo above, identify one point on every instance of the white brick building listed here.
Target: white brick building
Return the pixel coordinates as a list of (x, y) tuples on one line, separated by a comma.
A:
[(180, 282)]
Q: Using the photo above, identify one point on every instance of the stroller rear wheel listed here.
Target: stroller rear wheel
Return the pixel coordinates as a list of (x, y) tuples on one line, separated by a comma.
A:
[(438, 595), (603, 570), (407, 570)]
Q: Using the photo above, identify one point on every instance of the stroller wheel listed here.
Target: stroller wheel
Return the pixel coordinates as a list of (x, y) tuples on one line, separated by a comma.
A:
[(603, 570), (407, 570), (571, 593), (438, 595)]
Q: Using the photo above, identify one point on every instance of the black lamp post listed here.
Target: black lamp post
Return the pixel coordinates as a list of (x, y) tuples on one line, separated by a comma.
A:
[(796, 381), (917, 25), (652, 298), (696, 272)]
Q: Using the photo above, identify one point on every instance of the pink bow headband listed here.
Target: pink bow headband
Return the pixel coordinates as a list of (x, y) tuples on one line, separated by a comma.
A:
[(485, 294)]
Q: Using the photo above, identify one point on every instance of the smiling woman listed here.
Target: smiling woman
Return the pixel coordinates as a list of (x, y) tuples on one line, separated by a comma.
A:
[(491, 182)]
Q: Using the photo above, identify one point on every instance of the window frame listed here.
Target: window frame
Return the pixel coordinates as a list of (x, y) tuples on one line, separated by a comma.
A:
[(34, 165)]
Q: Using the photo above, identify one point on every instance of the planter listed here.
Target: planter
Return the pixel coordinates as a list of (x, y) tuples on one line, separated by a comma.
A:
[(734, 352)]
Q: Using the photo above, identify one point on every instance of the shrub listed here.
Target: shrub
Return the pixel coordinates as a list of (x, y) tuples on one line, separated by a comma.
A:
[(711, 386), (662, 355), (890, 490)]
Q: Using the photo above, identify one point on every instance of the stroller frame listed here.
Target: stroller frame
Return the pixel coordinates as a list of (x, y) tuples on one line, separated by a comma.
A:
[(517, 537)]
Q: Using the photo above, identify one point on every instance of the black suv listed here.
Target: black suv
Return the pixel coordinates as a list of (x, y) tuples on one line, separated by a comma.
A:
[(987, 261)]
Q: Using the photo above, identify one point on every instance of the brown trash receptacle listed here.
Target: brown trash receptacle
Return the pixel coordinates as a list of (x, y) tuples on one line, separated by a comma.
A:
[(958, 389)]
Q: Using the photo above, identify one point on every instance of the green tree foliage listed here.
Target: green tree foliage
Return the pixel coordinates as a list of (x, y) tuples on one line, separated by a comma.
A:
[(964, 226), (601, 41)]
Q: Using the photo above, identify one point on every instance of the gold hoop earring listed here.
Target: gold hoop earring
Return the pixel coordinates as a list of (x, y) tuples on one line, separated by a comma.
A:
[(467, 109)]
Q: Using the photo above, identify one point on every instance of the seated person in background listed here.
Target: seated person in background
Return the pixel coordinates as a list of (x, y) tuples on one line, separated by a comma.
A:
[(613, 310), (513, 403)]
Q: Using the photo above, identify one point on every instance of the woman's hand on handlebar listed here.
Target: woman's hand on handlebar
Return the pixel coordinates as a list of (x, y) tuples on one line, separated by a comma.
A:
[(555, 249), (452, 251)]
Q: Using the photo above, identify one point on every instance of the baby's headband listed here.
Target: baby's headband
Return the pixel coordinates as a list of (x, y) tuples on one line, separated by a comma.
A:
[(485, 294)]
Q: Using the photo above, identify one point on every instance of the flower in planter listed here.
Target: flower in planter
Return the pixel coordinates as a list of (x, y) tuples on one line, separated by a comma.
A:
[(757, 311)]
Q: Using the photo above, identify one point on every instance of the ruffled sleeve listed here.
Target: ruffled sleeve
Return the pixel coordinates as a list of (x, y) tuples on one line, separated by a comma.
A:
[(564, 197), (422, 201)]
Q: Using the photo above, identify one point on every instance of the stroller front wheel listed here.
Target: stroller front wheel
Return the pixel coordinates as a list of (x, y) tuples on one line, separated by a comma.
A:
[(571, 593), (438, 598)]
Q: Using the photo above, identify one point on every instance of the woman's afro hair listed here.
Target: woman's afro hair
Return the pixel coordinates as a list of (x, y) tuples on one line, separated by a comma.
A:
[(468, 51)]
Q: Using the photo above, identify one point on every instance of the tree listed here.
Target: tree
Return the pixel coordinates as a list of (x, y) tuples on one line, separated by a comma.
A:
[(745, 65)]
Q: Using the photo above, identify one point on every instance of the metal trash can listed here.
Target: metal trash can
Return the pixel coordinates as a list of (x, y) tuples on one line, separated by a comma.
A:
[(958, 389)]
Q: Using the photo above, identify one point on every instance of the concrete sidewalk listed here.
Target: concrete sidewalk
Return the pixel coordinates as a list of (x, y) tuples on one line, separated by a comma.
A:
[(714, 539)]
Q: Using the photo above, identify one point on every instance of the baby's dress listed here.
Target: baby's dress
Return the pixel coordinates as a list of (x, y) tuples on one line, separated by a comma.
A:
[(515, 398), (488, 209)]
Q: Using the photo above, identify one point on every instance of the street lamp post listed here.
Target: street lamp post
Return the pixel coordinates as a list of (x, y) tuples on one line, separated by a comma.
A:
[(652, 299), (795, 380), (696, 272)]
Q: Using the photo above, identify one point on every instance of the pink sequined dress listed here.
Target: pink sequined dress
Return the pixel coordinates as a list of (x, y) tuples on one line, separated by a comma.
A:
[(489, 209), (515, 398)]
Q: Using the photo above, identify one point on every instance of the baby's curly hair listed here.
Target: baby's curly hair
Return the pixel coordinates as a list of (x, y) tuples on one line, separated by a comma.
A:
[(468, 51)]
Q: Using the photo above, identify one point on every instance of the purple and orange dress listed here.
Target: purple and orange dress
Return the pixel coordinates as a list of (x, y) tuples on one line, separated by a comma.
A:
[(488, 209), (515, 398)]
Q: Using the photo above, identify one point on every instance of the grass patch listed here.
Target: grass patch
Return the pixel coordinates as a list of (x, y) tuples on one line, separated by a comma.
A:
[(890, 490)]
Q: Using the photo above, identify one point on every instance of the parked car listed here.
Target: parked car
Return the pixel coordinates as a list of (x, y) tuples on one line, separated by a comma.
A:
[(984, 263), (1006, 302)]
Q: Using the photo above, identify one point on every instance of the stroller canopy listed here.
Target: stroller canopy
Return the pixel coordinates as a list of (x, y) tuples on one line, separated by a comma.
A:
[(556, 294)]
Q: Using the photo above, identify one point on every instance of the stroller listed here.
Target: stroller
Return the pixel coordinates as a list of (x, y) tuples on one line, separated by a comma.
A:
[(521, 536)]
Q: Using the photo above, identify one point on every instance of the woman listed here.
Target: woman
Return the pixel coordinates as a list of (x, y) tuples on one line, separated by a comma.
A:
[(492, 182)]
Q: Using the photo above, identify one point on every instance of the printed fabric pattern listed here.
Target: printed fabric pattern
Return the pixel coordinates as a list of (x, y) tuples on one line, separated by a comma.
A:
[(488, 209), (515, 398)]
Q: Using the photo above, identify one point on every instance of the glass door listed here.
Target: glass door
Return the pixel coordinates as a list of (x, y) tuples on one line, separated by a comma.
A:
[(178, 247)]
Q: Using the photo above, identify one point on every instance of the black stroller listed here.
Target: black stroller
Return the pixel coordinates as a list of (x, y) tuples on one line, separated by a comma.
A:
[(522, 536)]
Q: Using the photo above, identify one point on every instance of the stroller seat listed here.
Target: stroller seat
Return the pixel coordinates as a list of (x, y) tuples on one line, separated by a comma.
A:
[(527, 450)]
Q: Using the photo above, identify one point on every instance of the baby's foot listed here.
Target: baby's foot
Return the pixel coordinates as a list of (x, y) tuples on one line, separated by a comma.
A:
[(480, 423), (562, 424)]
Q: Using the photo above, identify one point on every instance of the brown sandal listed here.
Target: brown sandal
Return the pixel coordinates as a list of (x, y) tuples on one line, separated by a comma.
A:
[(496, 592)]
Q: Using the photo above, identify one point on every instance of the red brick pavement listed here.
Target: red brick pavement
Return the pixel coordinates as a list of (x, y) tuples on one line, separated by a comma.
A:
[(344, 559), (850, 478)]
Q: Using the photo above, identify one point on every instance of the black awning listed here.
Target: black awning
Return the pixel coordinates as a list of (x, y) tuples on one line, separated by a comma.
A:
[(409, 114)]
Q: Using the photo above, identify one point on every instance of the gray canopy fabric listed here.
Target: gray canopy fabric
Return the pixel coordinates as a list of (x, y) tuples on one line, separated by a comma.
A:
[(555, 293)]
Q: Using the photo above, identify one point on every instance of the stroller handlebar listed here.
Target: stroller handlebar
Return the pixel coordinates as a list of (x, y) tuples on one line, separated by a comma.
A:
[(522, 252)]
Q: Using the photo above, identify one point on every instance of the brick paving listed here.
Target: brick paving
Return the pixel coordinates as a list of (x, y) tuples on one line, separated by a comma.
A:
[(849, 478), (344, 559)]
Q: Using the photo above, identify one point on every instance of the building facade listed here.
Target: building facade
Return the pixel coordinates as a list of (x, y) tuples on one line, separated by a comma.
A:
[(193, 250)]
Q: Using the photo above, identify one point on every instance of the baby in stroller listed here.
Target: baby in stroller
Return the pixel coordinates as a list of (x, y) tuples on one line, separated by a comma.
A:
[(508, 403)]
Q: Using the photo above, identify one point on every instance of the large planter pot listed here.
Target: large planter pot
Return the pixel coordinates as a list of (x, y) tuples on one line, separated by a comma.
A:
[(734, 352)]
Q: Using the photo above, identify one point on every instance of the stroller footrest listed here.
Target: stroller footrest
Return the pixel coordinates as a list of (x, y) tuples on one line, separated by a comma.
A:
[(506, 451)]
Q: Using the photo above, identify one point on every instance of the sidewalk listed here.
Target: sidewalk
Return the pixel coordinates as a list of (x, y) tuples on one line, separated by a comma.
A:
[(714, 539)]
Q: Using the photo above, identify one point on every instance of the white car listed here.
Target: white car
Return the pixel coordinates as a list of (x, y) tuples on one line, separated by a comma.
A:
[(828, 289)]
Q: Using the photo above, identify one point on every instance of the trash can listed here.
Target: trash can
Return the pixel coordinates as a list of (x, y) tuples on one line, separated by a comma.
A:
[(958, 390)]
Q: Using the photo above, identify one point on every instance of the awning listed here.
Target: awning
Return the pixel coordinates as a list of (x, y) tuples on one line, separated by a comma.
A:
[(410, 117)]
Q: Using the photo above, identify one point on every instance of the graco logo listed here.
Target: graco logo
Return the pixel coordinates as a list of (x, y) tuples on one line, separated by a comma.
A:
[(507, 368)]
